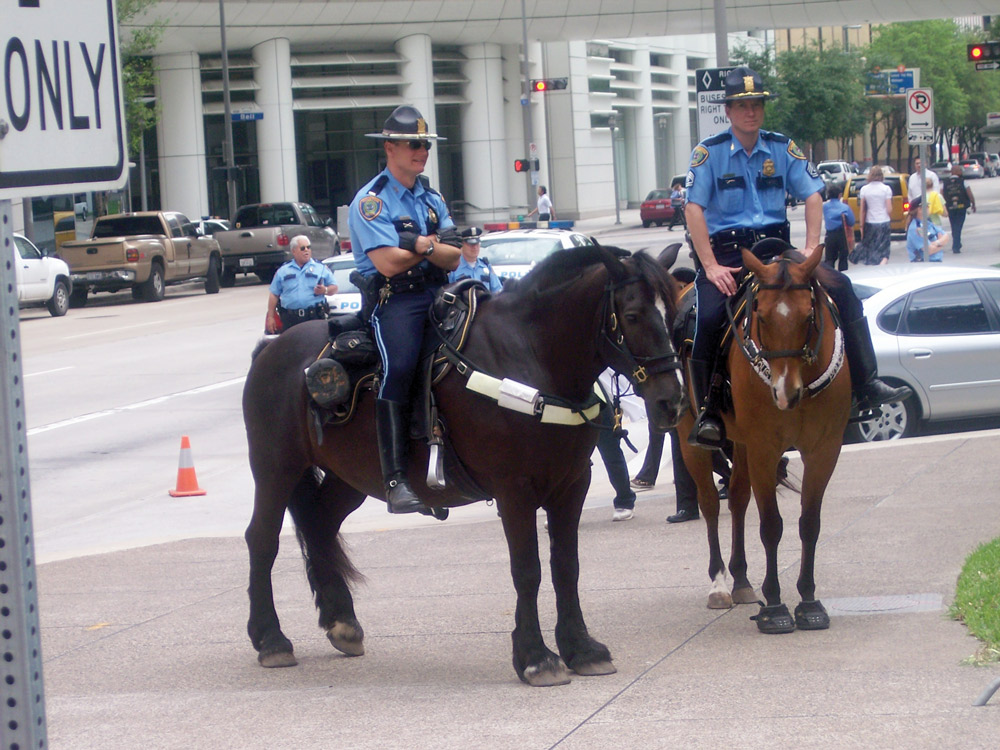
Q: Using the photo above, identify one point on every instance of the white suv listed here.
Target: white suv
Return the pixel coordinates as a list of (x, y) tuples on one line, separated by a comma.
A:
[(41, 279), (834, 173)]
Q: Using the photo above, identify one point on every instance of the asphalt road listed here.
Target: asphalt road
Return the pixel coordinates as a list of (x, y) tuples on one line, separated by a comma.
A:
[(111, 388)]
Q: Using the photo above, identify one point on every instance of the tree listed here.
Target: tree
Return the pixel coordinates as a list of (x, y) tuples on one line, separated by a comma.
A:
[(136, 42)]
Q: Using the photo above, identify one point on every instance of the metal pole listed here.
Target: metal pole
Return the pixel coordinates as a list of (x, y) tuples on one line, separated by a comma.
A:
[(144, 199), (529, 136), (228, 144), (922, 151), (612, 123), (28, 217), (721, 34), (22, 693)]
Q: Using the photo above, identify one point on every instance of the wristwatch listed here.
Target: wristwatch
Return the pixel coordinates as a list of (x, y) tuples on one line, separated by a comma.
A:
[(430, 250)]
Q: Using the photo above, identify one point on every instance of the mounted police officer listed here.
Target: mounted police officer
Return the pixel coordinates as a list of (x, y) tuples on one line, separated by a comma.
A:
[(472, 266), (735, 197), (404, 244), (299, 289)]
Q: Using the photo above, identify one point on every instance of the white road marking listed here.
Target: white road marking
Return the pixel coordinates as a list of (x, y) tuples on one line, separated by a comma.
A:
[(106, 331), (46, 372), (132, 407)]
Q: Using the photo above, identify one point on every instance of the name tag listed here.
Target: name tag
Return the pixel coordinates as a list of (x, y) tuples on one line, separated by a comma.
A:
[(731, 183), (767, 183)]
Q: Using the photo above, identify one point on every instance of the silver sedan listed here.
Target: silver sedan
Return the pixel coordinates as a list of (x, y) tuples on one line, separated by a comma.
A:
[(937, 329)]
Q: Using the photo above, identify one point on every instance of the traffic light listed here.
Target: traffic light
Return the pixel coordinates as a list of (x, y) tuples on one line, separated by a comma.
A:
[(525, 165), (982, 51), (542, 85)]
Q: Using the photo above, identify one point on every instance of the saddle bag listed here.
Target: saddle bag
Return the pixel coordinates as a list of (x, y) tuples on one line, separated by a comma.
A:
[(355, 348)]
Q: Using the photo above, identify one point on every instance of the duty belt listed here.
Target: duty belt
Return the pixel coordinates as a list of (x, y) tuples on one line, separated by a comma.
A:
[(316, 311), (745, 237)]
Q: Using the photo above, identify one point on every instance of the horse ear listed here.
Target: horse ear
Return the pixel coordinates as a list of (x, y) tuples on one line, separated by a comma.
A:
[(611, 258), (810, 263), (668, 256), (752, 262)]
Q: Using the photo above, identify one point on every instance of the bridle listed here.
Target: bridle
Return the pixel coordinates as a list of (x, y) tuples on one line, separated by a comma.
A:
[(621, 358)]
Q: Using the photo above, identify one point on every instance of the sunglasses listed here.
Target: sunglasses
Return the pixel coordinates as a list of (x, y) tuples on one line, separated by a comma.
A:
[(417, 145)]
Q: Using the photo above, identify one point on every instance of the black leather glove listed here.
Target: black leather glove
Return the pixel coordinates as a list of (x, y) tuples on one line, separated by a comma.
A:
[(408, 233), (450, 236)]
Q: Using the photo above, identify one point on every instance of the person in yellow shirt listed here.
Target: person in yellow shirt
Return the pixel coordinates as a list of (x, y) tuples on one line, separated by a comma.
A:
[(935, 204)]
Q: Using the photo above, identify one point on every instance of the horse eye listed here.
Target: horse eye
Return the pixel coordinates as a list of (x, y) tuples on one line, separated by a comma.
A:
[(632, 317)]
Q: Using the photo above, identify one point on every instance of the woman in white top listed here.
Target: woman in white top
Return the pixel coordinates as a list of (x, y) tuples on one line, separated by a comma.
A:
[(875, 198)]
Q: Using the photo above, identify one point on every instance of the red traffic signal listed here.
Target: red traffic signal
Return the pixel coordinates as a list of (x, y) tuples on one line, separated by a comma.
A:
[(984, 51), (521, 165), (541, 85)]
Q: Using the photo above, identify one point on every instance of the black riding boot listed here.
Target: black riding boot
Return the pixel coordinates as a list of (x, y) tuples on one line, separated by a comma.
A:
[(708, 431), (869, 391), (390, 426)]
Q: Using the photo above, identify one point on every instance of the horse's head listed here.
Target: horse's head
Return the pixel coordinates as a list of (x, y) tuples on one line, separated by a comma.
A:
[(637, 342), (784, 320)]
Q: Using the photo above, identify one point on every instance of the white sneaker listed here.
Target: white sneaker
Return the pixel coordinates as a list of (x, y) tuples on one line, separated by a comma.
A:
[(622, 514)]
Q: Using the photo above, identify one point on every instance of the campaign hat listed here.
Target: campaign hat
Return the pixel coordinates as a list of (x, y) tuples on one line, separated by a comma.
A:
[(405, 124), (745, 83)]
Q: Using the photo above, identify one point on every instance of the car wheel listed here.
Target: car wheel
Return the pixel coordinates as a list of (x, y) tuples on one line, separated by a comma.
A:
[(153, 290), (228, 278), (212, 282), (266, 274), (78, 298), (59, 303), (645, 224), (894, 421)]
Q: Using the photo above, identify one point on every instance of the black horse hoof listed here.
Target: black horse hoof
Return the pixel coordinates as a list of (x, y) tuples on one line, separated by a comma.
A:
[(774, 620), (811, 616)]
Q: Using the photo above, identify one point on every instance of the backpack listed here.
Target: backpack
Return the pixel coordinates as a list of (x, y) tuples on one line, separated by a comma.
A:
[(954, 193)]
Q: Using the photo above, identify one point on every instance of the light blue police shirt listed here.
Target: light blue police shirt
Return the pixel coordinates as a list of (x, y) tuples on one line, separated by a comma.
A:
[(371, 216), (479, 271), (293, 284), (740, 191)]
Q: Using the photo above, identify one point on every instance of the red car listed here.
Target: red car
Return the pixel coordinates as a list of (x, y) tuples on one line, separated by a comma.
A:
[(656, 209)]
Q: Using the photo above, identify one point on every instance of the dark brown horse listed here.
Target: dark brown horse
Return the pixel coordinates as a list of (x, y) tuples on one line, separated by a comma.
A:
[(787, 392), (575, 314)]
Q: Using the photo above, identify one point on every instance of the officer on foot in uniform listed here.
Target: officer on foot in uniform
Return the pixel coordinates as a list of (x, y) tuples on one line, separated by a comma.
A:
[(298, 290), (735, 197), (405, 242), (472, 266)]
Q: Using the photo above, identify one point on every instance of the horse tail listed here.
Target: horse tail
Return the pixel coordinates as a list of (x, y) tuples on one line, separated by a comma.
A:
[(318, 532)]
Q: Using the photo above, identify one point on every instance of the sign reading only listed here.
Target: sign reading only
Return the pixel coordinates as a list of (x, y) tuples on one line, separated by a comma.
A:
[(61, 110)]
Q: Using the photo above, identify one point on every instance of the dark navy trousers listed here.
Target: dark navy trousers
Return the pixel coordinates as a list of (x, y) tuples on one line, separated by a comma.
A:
[(399, 323)]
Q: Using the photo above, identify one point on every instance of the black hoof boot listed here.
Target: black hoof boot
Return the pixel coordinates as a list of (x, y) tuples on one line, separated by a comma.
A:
[(811, 616), (774, 620)]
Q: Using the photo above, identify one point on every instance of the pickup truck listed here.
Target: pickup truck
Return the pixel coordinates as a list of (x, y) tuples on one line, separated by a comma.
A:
[(260, 239), (41, 279), (143, 252)]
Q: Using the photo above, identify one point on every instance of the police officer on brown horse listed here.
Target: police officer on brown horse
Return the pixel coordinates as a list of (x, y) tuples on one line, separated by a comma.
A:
[(405, 243)]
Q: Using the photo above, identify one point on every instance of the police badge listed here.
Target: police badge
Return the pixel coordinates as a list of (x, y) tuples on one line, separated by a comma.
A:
[(768, 168), (370, 207), (432, 216)]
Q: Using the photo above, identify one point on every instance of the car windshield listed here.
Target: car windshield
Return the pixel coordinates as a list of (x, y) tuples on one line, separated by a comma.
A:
[(658, 195), (830, 168), (512, 250), (892, 182), (342, 268), (268, 215), (127, 226), (863, 291)]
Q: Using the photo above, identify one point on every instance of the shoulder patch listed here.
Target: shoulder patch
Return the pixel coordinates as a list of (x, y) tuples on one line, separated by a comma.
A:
[(794, 151), (370, 207), (698, 156), (689, 182)]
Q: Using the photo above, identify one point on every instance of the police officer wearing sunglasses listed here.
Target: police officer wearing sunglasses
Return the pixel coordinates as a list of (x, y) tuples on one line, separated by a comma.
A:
[(298, 290), (405, 243)]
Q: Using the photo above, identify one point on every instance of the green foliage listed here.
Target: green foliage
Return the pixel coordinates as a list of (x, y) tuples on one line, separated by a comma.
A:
[(137, 41), (977, 598)]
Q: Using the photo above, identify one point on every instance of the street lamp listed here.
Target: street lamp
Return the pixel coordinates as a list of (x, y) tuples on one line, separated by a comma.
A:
[(612, 124)]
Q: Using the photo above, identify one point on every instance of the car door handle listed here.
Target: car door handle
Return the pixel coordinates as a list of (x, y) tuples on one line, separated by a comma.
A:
[(247, 234), (920, 353)]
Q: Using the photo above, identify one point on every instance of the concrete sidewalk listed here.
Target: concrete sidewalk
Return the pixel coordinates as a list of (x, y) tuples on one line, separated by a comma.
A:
[(146, 648)]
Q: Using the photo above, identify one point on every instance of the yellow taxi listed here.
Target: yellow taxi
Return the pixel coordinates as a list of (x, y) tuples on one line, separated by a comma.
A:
[(900, 203), (64, 225)]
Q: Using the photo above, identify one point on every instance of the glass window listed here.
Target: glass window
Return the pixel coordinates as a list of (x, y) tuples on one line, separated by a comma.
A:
[(26, 250), (175, 225), (993, 287), (947, 309), (888, 320)]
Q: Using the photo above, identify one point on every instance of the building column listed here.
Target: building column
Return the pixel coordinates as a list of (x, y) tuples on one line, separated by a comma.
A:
[(279, 179), (484, 153), (645, 131), (417, 70), (180, 135)]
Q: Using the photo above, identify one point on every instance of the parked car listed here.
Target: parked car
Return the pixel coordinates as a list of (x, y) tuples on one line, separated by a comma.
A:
[(972, 169), (209, 227), (41, 279), (64, 227), (937, 330), (989, 170), (348, 297), (941, 168), (656, 209), (900, 204), (834, 174), (81, 206), (995, 161), (514, 252)]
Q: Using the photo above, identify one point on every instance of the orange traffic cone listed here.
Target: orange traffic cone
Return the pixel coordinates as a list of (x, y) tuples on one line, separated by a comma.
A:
[(187, 482)]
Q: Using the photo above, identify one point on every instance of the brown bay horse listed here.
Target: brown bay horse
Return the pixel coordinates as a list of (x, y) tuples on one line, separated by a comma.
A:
[(575, 314), (792, 395)]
